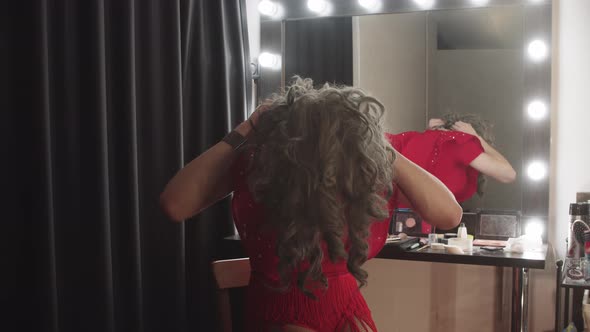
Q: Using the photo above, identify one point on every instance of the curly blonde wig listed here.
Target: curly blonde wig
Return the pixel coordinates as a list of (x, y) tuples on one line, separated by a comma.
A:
[(324, 171)]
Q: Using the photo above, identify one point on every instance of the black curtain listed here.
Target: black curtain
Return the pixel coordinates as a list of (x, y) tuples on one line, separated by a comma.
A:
[(320, 49), (102, 102)]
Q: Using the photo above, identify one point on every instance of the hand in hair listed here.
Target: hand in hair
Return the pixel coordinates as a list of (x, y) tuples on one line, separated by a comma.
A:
[(464, 127), (259, 110)]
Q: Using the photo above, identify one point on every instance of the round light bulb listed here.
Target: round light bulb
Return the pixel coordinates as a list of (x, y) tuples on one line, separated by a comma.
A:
[(268, 8), (537, 109), (537, 50), (534, 228), (269, 60), (424, 4), (370, 4), (536, 170), (317, 6)]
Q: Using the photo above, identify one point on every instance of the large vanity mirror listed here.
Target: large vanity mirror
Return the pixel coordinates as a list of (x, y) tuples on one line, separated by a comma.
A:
[(490, 58)]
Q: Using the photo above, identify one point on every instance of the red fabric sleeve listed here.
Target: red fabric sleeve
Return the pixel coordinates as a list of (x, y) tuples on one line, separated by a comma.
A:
[(470, 148), (399, 141)]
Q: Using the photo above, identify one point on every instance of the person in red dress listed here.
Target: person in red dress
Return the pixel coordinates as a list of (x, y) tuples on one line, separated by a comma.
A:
[(457, 149), (311, 175)]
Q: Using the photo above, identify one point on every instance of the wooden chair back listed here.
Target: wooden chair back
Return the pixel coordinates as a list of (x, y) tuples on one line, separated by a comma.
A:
[(228, 274)]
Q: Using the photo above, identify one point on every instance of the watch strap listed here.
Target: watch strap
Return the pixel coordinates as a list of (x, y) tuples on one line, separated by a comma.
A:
[(234, 139)]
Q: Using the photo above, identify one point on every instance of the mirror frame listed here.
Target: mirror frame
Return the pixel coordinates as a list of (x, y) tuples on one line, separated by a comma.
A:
[(537, 75)]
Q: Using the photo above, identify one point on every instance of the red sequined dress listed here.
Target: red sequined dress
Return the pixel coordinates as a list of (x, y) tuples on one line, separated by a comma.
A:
[(339, 306), (445, 154)]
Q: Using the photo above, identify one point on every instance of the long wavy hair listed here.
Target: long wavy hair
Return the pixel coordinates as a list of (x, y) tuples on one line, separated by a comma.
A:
[(324, 171), (482, 127)]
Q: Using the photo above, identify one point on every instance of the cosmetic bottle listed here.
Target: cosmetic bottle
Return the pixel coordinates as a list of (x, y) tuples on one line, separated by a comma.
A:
[(462, 231)]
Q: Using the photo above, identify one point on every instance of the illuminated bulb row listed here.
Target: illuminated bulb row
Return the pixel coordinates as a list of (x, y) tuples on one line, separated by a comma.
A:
[(270, 8), (536, 110), (322, 7), (537, 51)]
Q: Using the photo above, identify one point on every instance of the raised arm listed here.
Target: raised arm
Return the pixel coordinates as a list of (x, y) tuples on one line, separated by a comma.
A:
[(491, 162), (202, 182), (428, 195)]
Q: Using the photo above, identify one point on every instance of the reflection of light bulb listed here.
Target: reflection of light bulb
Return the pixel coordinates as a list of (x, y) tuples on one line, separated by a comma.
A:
[(317, 6), (534, 227), (269, 60), (268, 8), (370, 4), (536, 170), (480, 2), (537, 50), (537, 109), (425, 4)]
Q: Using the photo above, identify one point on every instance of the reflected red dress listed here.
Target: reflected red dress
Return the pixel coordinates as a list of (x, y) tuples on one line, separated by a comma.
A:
[(339, 306), (445, 154)]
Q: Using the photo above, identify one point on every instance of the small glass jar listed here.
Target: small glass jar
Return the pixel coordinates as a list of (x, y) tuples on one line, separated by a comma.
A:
[(432, 238), (574, 271)]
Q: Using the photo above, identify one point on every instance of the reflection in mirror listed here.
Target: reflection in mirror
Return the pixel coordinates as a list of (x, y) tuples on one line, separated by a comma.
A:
[(476, 66), (424, 64)]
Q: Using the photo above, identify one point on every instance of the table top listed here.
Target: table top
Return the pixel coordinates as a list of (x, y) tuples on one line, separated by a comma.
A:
[(532, 260), (580, 284), (529, 259)]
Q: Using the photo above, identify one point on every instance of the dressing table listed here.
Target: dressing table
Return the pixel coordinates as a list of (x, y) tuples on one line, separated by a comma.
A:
[(520, 263)]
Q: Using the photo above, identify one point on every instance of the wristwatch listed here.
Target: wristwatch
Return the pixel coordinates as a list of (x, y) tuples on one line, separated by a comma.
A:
[(234, 139)]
